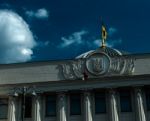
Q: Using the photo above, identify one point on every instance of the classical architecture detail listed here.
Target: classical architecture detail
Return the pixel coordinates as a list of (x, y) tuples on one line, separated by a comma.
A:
[(139, 105), (55, 91), (122, 66), (37, 108), (62, 112), (87, 107), (99, 63), (67, 71), (12, 116), (114, 116), (78, 68)]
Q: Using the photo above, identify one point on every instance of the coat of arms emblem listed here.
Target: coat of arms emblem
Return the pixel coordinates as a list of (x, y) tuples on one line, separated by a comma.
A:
[(98, 64)]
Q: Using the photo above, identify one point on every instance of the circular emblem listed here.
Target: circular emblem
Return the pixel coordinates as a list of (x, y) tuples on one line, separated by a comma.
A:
[(98, 63)]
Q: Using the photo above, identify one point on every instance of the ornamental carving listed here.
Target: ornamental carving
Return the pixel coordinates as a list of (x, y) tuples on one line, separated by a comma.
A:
[(67, 71), (97, 65), (78, 68)]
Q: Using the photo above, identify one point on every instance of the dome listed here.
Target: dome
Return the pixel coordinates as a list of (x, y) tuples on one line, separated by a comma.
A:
[(107, 50)]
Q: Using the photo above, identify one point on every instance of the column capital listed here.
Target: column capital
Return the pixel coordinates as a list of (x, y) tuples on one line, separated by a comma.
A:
[(112, 91), (61, 95), (62, 116), (37, 96), (87, 93), (138, 90)]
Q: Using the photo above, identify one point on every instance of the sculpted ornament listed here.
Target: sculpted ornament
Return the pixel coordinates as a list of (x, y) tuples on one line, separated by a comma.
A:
[(67, 71), (78, 68), (121, 65), (98, 64)]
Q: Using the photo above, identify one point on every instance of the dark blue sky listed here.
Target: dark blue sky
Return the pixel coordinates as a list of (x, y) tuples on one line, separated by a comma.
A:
[(129, 18)]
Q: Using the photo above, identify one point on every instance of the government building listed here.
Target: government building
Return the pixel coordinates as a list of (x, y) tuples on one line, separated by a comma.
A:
[(100, 85)]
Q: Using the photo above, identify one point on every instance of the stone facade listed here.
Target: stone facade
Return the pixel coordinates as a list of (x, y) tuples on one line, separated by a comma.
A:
[(106, 70)]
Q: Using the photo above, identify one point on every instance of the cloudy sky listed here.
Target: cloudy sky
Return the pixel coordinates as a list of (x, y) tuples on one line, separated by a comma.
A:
[(37, 30)]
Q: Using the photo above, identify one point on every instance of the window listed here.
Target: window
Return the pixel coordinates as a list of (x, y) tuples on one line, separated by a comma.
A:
[(51, 105), (125, 101), (3, 108), (147, 92), (100, 102), (75, 104), (28, 107)]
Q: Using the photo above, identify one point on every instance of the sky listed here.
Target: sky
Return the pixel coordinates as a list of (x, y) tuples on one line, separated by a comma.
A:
[(42, 30)]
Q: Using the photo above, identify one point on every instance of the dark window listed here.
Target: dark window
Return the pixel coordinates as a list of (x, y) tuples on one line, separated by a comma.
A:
[(125, 101), (28, 107), (3, 108), (147, 92), (51, 105), (100, 102), (75, 104)]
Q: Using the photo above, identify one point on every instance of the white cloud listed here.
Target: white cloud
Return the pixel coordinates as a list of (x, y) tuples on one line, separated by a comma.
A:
[(40, 13), (75, 38), (110, 43), (16, 39), (78, 38)]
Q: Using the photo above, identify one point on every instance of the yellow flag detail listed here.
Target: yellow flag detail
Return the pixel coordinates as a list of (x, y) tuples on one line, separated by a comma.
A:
[(104, 33)]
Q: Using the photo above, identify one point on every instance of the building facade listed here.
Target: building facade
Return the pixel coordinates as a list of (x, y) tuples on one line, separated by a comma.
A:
[(100, 85)]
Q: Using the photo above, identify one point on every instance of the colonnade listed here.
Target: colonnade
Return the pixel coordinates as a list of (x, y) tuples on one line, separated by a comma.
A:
[(87, 105)]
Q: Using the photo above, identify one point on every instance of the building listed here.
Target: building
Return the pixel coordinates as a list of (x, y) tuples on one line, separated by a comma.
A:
[(100, 85)]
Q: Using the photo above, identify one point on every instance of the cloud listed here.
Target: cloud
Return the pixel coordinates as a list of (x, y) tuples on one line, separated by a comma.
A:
[(75, 38), (16, 39), (78, 38), (40, 13), (110, 43)]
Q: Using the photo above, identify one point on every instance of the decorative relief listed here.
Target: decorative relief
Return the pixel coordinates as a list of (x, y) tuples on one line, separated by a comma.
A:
[(78, 68), (67, 71), (98, 64), (120, 65)]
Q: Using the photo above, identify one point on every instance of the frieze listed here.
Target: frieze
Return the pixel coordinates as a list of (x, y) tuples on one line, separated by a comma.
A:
[(97, 65), (78, 68), (67, 71)]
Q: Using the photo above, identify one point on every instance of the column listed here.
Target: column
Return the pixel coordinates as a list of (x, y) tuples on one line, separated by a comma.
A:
[(12, 109), (37, 108), (140, 111), (62, 109), (113, 106), (87, 107)]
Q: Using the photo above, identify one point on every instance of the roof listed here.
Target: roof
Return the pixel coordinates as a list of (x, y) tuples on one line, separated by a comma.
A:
[(107, 50)]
